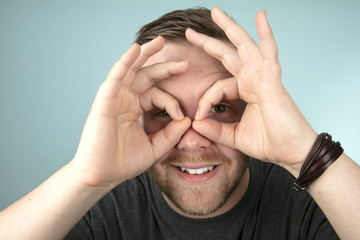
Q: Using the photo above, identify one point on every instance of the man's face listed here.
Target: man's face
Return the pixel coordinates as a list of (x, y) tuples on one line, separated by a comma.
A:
[(197, 175)]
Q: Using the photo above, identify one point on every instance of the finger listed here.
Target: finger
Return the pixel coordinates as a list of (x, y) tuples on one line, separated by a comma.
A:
[(219, 132), (122, 66), (156, 98), (165, 139), (146, 76), (247, 48), (221, 89), (111, 86), (147, 50), (267, 41), (218, 49), (268, 47)]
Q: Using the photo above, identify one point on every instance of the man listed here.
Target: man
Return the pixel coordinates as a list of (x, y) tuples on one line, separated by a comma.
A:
[(165, 152)]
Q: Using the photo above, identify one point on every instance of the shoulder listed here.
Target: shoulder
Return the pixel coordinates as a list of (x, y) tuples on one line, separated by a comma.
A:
[(275, 183), (137, 188), (127, 201), (277, 202), (121, 212)]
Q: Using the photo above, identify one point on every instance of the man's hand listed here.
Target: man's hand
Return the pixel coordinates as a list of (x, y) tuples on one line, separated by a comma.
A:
[(272, 128), (114, 146)]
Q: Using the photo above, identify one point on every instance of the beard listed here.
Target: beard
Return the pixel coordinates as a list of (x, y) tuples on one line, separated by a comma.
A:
[(199, 199)]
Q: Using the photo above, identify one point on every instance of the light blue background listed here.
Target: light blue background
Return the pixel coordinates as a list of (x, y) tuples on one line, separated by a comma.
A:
[(55, 54)]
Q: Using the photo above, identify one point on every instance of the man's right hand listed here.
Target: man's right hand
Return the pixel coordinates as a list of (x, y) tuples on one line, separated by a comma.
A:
[(113, 145), (113, 148)]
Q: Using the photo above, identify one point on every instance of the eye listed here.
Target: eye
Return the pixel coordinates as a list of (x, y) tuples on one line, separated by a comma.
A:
[(162, 113), (220, 108)]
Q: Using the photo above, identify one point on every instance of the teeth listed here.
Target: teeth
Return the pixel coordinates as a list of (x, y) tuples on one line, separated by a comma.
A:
[(197, 171), (192, 171)]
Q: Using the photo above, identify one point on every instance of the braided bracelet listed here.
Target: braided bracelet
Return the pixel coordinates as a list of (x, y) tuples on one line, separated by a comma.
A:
[(323, 153)]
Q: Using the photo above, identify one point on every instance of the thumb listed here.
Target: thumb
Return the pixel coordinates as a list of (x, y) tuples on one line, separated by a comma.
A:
[(222, 133), (165, 139)]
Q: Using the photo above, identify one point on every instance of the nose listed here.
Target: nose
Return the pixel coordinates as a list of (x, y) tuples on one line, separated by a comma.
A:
[(193, 142)]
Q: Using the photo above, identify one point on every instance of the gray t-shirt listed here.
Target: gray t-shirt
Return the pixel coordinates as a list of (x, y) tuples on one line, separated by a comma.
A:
[(270, 209)]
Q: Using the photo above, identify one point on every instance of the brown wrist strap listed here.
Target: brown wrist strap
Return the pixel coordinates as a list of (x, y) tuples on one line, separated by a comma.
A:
[(323, 153)]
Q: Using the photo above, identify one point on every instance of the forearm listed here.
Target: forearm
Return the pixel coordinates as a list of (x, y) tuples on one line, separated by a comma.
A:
[(52, 209), (337, 192)]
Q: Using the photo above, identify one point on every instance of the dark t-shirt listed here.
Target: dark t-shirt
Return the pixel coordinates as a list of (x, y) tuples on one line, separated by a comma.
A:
[(270, 209)]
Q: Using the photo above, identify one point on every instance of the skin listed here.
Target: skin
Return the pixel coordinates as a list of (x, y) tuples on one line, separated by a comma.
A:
[(223, 190), (108, 154)]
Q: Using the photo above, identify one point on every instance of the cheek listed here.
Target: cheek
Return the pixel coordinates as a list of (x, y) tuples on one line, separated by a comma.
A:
[(158, 169), (152, 125), (233, 154)]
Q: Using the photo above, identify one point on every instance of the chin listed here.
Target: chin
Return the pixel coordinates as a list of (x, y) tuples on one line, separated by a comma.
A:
[(199, 194)]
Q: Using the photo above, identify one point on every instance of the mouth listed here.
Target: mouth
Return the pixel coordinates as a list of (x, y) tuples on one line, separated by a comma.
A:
[(197, 171), (196, 174)]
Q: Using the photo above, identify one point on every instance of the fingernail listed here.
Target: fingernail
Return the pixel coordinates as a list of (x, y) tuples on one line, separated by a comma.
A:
[(197, 115), (180, 114), (186, 62)]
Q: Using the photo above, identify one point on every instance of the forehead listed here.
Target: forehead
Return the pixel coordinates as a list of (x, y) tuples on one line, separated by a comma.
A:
[(204, 69)]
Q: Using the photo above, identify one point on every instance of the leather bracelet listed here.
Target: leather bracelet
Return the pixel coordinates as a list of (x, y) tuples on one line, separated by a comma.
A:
[(323, 153)]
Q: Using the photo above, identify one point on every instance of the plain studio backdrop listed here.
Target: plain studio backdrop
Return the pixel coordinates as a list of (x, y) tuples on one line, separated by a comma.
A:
[(55, 54)]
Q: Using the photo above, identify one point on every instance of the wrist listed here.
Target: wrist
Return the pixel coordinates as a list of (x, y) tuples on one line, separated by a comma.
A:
[(323, 154), (91, 180), (296, 160)]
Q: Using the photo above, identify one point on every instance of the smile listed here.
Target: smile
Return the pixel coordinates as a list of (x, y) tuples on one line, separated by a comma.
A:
[(197, 171), (197, 174)]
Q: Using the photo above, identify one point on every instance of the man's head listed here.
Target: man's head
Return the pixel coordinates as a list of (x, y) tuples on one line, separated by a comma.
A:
[(198, 176)]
